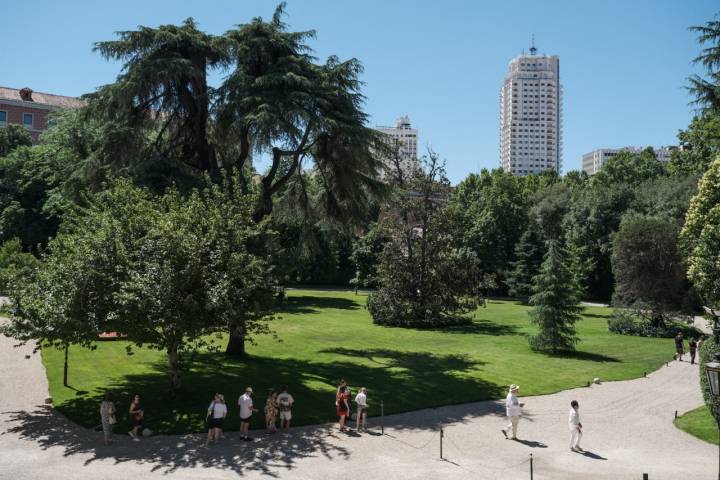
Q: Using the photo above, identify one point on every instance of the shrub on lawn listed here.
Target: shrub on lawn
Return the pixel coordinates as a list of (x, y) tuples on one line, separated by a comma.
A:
[(628, 322)]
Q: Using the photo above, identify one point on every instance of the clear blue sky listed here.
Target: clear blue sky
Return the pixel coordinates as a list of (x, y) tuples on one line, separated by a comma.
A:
[(623, 64)]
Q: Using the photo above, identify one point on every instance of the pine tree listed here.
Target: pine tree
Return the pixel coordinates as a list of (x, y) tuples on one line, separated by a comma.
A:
[(555, 301), (529, 253)]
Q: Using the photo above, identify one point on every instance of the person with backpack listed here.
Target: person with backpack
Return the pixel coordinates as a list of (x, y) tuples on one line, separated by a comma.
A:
[(285, 402), (216, 413)]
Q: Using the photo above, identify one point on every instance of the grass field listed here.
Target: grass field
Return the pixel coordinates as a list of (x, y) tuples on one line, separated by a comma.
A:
[(700, 424), (324, 336)]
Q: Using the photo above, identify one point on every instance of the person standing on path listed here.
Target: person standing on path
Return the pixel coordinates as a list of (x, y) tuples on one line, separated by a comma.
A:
[(679, 346), (692, 347), (137, 418), (245, 403), (362, 409), (107, 417), (271, 411), (217, 411), (513, 410), (575, 427), (285, 402), (343, 406)]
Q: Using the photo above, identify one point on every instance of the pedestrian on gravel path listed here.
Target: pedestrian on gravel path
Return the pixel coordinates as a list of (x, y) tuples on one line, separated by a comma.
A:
[(513, 410), (217, 411), (271, 411), (285, 402), (343, 406), (679, 346), (137, 418), (107, 417), (692, 347), (245, 403), (362, 409), (575, 427)]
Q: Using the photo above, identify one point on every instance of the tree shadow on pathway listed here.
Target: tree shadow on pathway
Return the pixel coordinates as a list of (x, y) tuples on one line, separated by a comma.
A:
[(269, 455)]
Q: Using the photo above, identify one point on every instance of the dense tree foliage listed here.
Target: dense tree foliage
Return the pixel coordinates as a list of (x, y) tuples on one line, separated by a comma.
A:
[(529, 253), (700, 237), (649, 273), (13, 136), (425, 279), (162, 271)]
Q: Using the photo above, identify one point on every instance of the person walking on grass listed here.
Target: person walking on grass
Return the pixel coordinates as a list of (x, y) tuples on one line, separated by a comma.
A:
[(107, 417), (285, 402), (343, 406), (137, 418), (575, 427), (271, 411), (679, 346), (692, 347), (362, 409), (245, 403), (217, 411), (513, 410)]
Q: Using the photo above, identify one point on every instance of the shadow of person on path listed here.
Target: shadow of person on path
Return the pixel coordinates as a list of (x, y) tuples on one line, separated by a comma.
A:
[(268, 455), (531, 443), (592, 455)]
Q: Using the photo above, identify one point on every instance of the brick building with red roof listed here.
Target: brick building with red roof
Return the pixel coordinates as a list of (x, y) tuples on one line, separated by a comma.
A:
[(31, 109)]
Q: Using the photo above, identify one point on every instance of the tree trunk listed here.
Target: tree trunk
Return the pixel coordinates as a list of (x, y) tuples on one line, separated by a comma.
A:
[(65, 367), (174, 366), (236, 342)]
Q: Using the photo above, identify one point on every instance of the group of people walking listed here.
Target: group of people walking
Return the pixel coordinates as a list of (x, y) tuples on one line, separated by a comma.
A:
[(513, 410), (693, 347), (279, 404)]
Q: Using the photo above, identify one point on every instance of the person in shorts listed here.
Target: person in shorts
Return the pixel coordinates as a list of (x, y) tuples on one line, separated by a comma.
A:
[(137, 418), (245, 403), (679, 346), (362, 409), (217, 411), (285, 402)]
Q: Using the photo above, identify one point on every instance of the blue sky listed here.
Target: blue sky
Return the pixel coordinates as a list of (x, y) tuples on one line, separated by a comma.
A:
[(623, 64)]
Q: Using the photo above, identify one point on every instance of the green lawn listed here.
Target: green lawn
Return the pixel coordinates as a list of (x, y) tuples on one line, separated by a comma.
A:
[(699, 423), (323, 336)]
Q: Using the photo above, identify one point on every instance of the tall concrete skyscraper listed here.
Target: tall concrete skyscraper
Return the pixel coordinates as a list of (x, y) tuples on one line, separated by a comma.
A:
[(404, 138), (531, 115)]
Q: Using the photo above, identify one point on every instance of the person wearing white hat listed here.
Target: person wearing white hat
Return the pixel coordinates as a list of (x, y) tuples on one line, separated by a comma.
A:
[(513, 409)]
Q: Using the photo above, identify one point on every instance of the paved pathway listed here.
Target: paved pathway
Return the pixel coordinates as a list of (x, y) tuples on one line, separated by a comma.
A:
[(628, 431)]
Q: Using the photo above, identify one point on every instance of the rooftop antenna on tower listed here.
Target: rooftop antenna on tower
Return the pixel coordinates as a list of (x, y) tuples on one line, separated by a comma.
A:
[(533, 50)]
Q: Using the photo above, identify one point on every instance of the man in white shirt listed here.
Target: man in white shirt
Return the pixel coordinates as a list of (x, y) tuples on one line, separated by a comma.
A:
[(513, 410), (361, 401), (246, 410), (575, 427), (285, 402)]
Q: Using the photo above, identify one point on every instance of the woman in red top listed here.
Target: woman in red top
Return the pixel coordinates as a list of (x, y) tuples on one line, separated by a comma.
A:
[(343, 406)]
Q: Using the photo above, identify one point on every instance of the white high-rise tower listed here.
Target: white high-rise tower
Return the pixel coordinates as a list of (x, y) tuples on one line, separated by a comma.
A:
[(531, 115)]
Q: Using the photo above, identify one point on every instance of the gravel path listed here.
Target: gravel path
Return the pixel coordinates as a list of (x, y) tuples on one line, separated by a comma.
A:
[(628, 431)]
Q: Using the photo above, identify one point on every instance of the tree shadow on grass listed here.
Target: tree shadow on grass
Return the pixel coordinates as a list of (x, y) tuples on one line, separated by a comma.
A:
[(596, 315), (311, 304), (404, 381), (582, 355)]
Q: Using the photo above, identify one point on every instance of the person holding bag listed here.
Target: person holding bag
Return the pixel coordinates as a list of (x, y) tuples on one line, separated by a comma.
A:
[(107, 417), (217, 411)]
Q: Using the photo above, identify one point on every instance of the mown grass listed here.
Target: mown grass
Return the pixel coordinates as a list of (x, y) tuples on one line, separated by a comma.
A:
[(700, 424), (324, 336)]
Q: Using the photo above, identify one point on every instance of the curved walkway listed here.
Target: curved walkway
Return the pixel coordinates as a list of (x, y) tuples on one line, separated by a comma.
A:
[(628, 431)]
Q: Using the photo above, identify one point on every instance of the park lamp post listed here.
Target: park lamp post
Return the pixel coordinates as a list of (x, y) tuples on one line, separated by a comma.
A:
[(712, 370)]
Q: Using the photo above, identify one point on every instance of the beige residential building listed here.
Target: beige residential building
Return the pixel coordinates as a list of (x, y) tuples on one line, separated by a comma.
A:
[(593, 161), (404, 138)]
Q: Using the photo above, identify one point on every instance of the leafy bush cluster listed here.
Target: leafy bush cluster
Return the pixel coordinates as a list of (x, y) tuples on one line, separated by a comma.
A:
[(626, 322)]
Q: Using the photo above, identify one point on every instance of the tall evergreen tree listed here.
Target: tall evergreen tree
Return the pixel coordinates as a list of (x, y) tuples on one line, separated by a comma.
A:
[(555, 300), (529, 253)]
